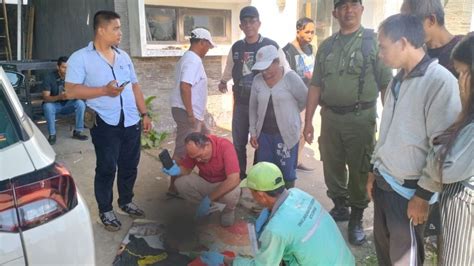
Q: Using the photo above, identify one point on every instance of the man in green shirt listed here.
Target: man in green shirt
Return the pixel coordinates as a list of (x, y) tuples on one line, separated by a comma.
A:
[(292, 228), (346, 81)]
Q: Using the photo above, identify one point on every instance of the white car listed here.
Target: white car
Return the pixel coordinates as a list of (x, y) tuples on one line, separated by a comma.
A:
[(43, 218)]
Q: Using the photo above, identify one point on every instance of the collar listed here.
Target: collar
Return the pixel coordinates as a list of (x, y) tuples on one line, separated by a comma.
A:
[(418, 71), (358, 33), (91, 47), (279, 202), (260, 39)]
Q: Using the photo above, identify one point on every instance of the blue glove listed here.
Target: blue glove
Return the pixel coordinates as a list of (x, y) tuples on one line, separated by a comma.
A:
[(204, 206), (173, 171), (261, 220), (211, 258)]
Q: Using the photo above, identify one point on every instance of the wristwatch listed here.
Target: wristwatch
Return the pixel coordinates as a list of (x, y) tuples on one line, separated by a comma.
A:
[(145, 114)]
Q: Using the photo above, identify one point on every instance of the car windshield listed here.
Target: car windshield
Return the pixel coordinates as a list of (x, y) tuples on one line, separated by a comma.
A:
[(8, 134)]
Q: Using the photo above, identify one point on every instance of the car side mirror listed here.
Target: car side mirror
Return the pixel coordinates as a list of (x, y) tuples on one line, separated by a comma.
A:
[(15, 78)]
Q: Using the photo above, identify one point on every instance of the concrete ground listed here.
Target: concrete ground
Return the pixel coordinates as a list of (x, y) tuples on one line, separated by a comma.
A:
[(151, 186)]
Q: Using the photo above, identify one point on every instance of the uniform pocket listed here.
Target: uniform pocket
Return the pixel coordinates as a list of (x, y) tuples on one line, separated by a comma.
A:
[(355, 63)]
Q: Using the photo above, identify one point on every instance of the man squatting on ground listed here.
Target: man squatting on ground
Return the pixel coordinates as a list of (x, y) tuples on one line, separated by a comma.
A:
[(292, 228), (218, 177)]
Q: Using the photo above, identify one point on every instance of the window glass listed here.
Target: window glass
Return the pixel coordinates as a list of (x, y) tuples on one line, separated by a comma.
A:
[(8, 134), (215, 24), (174, 24), (161, 23)]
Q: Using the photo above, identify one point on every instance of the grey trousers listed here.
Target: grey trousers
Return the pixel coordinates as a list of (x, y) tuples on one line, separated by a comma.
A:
[(397, 241)]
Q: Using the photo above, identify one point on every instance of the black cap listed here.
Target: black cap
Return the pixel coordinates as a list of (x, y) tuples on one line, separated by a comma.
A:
[(339, 2), (249, 11)]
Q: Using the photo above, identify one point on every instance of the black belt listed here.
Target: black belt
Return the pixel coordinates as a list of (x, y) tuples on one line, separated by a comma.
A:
[(351, 108)]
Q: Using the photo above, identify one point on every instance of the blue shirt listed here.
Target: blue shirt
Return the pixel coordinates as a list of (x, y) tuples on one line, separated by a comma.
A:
[(86, 66)]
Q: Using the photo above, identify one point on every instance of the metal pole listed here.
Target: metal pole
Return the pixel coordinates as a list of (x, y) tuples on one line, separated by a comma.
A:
[(18, 32)]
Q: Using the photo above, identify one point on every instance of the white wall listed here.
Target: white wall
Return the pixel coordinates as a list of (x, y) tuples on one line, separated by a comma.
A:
[(277, 24)]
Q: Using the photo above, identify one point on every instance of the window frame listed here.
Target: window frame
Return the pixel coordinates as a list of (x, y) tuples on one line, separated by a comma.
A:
[(181, 12)]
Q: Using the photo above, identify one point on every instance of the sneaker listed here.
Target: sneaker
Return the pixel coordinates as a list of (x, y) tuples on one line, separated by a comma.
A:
[(110, 221), (52, 139), (78, 135), (132, 210), (227, 218)]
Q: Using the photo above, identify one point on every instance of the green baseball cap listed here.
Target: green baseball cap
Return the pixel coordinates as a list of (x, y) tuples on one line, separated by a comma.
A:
[(263, 176), (339, 2)]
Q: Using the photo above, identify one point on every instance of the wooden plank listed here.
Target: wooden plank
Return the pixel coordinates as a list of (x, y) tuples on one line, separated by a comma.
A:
[(7, 33), (30, 29)]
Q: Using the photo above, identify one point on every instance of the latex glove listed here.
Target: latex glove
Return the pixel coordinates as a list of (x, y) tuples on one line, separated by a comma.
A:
[(173, 171), (211, 258), (261, 220), (204, 206)]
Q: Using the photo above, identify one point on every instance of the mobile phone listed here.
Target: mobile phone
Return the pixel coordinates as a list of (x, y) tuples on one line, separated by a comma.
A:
[(165, 159), (124, 84)]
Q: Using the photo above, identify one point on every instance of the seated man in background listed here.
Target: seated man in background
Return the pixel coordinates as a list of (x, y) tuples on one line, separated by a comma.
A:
[(55, 102), (218, 178), (293, 227)]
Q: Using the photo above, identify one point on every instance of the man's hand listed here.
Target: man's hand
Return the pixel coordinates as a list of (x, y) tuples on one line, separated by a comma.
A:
[(222, 87), (62, 97), (418, 210), (370, 185), (308, 132), (203, 208), (175, 170), (147, 125), (192, 121), (254, 142), (112, 90)]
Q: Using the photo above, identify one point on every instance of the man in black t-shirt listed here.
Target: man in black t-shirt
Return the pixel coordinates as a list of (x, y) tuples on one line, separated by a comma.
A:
[(54, 102), (239, 65), (439, 41)]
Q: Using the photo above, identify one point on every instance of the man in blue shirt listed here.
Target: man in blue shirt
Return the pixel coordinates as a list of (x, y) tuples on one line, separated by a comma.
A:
[(54, 102), (102, 73)]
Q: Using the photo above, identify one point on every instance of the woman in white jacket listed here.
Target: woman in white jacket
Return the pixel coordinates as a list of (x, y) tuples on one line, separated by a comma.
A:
[(277, 97), (451, 165)]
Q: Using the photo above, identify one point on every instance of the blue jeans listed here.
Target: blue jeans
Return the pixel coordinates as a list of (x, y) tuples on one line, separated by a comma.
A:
[(240, 135), (271, 148), (50, 110), (117, 149)]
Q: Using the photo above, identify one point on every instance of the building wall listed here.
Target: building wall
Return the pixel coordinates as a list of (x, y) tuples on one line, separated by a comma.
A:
[(458, 14), (156, 76), (63, 26)]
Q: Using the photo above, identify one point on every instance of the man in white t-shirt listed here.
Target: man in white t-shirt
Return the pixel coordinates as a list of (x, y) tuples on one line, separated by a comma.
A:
[(189, 96)]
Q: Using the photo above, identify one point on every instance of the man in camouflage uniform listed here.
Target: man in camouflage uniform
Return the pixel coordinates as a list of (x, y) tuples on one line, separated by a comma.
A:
[(346, 82)]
